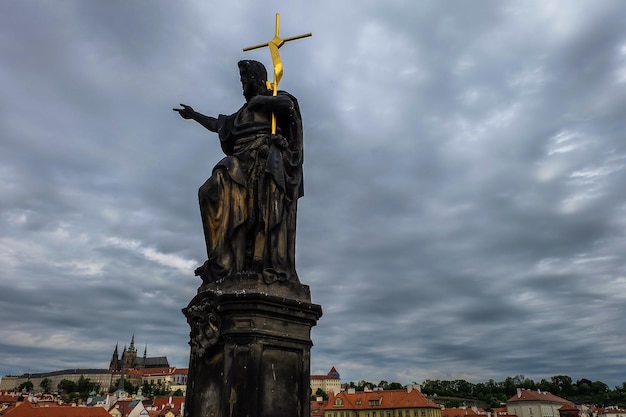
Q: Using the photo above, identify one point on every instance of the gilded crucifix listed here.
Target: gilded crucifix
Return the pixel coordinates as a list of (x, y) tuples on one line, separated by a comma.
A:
[(274, 44)]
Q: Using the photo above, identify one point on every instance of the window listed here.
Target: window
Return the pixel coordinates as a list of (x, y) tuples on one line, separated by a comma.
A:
[(423, 413)]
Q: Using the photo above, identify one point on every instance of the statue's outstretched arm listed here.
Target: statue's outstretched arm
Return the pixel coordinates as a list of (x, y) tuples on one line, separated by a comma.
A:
[(187, 112)]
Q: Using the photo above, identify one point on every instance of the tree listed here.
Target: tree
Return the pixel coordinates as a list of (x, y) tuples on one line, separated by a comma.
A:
[(45, 385), (178, 393), (583, 388), (66, 386), (25, 386), (146, 389), (563, 384), (362, 384), (84, 387), (321, 393), (545, 385), (598, 387), (128, 386)]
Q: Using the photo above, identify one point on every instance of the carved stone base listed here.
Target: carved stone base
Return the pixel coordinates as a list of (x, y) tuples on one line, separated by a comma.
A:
[(250, 349)]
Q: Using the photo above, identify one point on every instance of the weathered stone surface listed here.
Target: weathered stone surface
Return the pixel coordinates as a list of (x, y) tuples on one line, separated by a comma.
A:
[(250, 349)]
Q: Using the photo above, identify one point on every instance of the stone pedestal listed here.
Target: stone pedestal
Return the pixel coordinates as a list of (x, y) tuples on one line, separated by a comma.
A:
[(250, 349)]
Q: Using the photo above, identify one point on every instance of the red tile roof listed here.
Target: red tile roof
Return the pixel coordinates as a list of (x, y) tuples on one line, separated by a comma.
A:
[(126, 406), (156, 371), (362, 400), (529, 395), (317, 408), (174, 410), (26, 409), (8, 398), (323, 377), (457, 412), (161, 402)]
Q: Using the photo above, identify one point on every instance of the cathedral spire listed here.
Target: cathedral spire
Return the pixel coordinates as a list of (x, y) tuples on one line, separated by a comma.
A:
[(115, 360)]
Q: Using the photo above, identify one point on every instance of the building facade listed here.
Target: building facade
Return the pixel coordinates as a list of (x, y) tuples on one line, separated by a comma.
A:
[(130, 360), (98, 376), (612, 412), (409, 402), (529, 403), (329, 383)]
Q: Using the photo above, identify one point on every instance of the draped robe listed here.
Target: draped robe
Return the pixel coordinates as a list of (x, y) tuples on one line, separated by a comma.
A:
[(248, 205)]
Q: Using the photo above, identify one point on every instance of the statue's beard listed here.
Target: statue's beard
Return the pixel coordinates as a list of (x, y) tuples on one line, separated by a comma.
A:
[(249, 91), (254, 90)]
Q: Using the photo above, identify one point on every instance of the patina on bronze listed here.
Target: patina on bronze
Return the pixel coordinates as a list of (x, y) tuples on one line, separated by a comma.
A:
[(248, 205), (251, 318)]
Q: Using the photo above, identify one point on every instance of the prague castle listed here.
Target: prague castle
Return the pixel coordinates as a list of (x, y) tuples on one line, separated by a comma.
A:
[(129, 359)]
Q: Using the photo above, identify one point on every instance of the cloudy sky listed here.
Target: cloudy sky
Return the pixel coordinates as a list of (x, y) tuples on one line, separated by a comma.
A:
[(464, 212)]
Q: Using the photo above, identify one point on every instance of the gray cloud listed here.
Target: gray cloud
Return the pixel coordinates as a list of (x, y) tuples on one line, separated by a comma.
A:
[(464, 207)]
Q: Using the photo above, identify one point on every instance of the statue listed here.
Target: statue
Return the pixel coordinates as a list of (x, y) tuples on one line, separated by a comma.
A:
[(250, 321), (248, 205)]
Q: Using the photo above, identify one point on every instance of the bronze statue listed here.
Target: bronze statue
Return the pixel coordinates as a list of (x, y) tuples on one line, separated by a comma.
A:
[(248, 205)]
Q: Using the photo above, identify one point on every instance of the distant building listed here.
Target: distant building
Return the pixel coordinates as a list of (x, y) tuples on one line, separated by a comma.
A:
[(459, 412), (611, 412), (529, 403), (129, 359), (168, 406), (568, 410), (98, 376), (329, 383), (26, 409), (127, 408), (128, 364), (179, 380), (316, 408), (171, 378), (9, 382), (409, 402)]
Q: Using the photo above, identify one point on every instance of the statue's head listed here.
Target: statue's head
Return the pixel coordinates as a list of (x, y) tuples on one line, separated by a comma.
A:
[(253, 78)]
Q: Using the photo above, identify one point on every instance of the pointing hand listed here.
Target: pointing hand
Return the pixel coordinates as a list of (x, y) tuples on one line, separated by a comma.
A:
[(187, 112)]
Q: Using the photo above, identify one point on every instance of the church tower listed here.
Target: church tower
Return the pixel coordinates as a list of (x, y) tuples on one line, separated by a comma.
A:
[(142, 364), (114, 365), (129, 357)]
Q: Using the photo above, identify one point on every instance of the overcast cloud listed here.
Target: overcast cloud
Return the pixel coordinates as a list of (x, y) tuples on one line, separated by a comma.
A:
[(464, 212)]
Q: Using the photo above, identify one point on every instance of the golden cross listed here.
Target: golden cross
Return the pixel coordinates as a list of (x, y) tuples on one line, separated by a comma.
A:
[(274, 45)]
